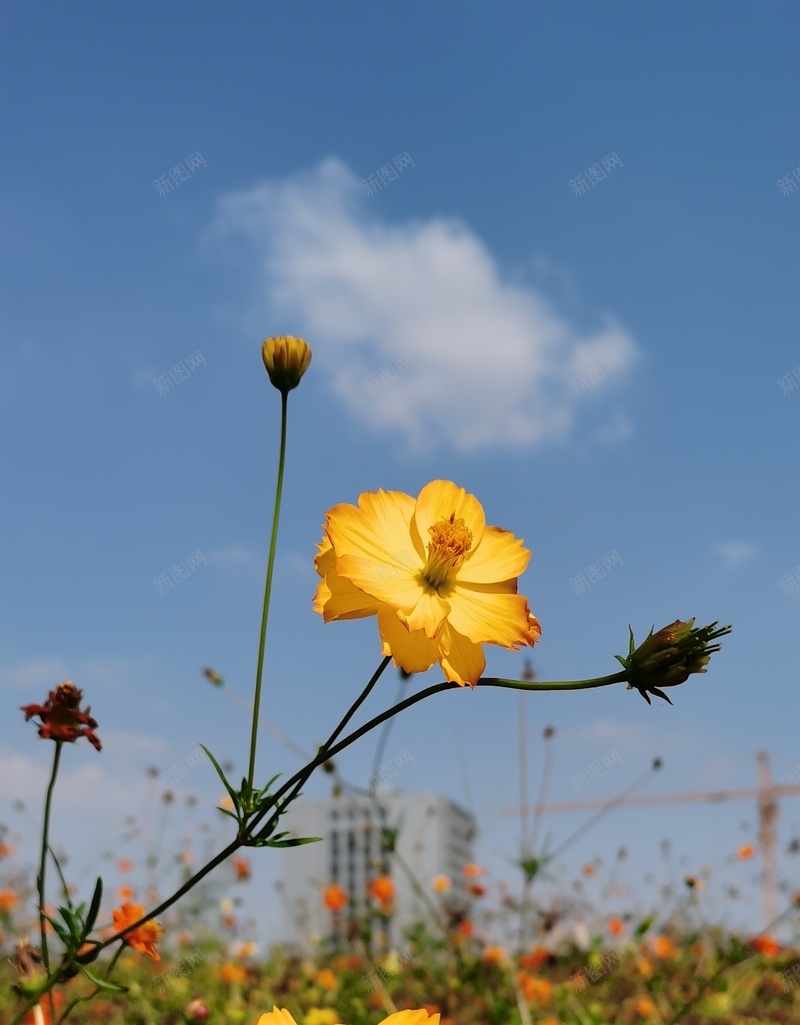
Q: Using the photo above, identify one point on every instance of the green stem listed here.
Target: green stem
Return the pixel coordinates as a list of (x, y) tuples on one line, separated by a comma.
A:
[(267, 591), (331, 748), (326, 752), (298, 780), (43, 859)]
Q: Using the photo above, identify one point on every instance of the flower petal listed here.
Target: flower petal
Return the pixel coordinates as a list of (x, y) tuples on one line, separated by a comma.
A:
[(442, 499), (374, 549), (337, 597), (499, 556), (413, 652), (428, 614), (276, 1017), (412, 1018), (462, 661), (486, 617)]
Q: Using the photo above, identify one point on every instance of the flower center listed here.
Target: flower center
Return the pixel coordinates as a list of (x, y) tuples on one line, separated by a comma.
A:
[(449, 544)]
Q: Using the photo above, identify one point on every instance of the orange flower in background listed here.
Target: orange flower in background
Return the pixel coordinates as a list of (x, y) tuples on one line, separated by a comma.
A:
[(588, 871), (441, 582), (143, 938), (495, 955), (241, 866), (440, 884), (334, 898), (471, 870), (535, 958), (6, 850), (663, 947), (126, 892), (535, 989), (477, 889), (124, 864), (8, 900), (325, 978), (61, 717), (766, 945), (645, 1007), (745, 852), (466, 930), (232, 974), (381, 889), (616, 927)]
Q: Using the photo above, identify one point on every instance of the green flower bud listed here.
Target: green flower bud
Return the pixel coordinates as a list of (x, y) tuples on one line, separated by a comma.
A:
[(668, 657)]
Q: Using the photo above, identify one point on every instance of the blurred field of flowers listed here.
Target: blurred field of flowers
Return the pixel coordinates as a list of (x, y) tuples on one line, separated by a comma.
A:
[(568, 962)]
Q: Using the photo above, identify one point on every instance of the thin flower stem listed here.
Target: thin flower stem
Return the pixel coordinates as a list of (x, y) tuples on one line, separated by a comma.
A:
[(267, 592), (43, 860), (297, 781), (331, 748), (326, 752)]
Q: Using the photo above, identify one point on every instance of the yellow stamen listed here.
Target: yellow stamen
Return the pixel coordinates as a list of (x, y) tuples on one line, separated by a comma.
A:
[(449, 544)]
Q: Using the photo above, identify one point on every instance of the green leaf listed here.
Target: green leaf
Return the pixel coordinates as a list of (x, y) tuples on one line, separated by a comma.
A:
[(112, 987), (643, 926), (233, 795), (65, 936), (295, 842), (94, 908)]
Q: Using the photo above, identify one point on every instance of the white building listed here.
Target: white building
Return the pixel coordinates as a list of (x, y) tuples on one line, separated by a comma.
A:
[(434, 837)]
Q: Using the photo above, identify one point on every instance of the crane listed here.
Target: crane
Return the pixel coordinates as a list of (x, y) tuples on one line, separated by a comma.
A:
[(766, 794)]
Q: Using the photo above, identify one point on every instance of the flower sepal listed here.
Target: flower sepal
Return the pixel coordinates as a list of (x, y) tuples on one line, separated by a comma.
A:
[(669, 656)]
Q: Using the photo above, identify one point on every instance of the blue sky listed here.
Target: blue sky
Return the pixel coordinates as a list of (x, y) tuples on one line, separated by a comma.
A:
[(595, 358)]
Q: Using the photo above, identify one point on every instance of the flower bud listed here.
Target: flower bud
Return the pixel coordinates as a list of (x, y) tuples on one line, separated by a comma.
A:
[(286, 359), (669, 656), (197, 1011)]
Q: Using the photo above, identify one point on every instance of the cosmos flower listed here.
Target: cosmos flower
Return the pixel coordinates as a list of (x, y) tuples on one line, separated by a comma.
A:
[(286, 359), (144, 937), (441, 582), (381, 889), (61, 717), (334, 898), (421, 1017)]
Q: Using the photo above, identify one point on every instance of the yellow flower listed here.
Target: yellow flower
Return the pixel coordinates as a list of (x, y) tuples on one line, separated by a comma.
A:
[(441, 582), (286, 359), (321, 1016), (278, 1017)]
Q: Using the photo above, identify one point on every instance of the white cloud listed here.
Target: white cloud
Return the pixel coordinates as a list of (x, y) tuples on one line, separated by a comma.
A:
[(36, 677), (735, 554), (413, 324), (234, 557)]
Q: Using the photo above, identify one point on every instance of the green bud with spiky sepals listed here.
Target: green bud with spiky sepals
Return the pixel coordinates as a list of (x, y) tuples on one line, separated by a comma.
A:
[(669, 656)]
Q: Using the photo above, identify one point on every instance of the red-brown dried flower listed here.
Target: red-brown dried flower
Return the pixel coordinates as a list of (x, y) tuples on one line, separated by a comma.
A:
[(61, 717)]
